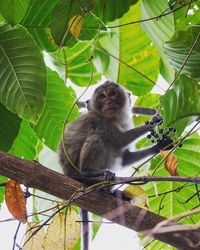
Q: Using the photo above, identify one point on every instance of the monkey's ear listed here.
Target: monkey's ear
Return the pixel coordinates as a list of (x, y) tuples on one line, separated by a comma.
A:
[(88, 104)]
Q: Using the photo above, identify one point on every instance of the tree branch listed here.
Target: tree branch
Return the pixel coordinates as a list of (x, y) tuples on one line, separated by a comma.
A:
[(33, 174)]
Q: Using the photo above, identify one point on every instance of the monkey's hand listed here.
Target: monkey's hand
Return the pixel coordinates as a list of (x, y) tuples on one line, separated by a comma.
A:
[(164, 144)]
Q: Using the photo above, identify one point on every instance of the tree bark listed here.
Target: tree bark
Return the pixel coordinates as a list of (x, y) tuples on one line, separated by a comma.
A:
[(34, 175)]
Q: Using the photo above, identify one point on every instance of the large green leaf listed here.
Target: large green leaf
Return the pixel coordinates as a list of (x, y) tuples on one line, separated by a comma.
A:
[(39, 13), (75, 61), (112, 9), (9, 128), (38, 21), (131, 45), (43, 38), (22, 73), (159, 31), (109, 43), (136, 50), (13, 11), (25, 145), (68, 14), (58, 103), (181, 105), (147, 101), (178, 48), (173, 203)]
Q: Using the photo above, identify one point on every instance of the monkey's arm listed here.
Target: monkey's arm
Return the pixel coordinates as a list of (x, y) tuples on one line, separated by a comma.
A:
[(131, 157), (131, 135)]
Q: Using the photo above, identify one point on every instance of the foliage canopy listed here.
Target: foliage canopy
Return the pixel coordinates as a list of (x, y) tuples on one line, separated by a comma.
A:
[(132, 43)]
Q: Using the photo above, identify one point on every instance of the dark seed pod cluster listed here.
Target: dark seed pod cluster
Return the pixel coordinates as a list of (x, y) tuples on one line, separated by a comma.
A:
[(158, 133)]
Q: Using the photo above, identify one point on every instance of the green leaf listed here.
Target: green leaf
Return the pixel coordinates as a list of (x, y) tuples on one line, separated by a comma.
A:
[(159, 31), (39, 13), (189, 156), (183, 22), (22, 73), (58, 103), (38, 21), (25, 145), (112, 9), (109, 43), (2, 190), (71, 14), (178, 48), (181, 105), (147, 101), (141, 55), (78, 67), (13, 11), (9, 128), (43, 38)]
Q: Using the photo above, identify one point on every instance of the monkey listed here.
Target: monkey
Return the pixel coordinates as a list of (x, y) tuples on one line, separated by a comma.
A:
[(97, 143)]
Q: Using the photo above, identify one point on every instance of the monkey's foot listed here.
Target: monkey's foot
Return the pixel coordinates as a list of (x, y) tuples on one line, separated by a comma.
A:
[(108, 175), (105, 175)]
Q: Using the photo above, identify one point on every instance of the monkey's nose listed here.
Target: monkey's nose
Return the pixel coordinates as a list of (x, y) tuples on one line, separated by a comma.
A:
[(108, 102)]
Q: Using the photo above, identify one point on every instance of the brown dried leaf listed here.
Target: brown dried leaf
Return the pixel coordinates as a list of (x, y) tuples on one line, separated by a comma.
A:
[(170, 163), (35, 242), (75, 25), (137, 194), (55, 233), (15, 201)]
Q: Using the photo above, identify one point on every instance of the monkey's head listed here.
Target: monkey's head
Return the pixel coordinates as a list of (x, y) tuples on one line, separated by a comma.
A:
[(109, 100)]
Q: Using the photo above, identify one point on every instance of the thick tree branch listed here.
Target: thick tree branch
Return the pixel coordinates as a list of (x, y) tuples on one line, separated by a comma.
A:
[(34, 175)]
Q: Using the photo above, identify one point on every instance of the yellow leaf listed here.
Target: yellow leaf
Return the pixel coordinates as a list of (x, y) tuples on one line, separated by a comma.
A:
[(15, 201), (137, 194), (55, 233), (36, 242), (75, 25), (170, 163)]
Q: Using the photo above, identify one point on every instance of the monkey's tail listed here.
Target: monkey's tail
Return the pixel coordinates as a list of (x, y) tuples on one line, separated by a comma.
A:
[(85, 229)]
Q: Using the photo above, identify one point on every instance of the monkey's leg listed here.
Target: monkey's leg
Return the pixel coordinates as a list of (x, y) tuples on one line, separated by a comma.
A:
[(93, 158), (91, 162)]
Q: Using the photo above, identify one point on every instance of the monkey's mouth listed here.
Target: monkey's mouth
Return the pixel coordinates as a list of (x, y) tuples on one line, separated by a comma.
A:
[(108, 109)]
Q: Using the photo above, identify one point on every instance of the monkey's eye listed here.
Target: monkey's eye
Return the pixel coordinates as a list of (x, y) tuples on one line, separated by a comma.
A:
[(112, 93), (101, 96)]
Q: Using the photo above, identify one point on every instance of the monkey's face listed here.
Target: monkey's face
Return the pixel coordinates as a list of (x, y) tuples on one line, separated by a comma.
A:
[(109, 100)]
